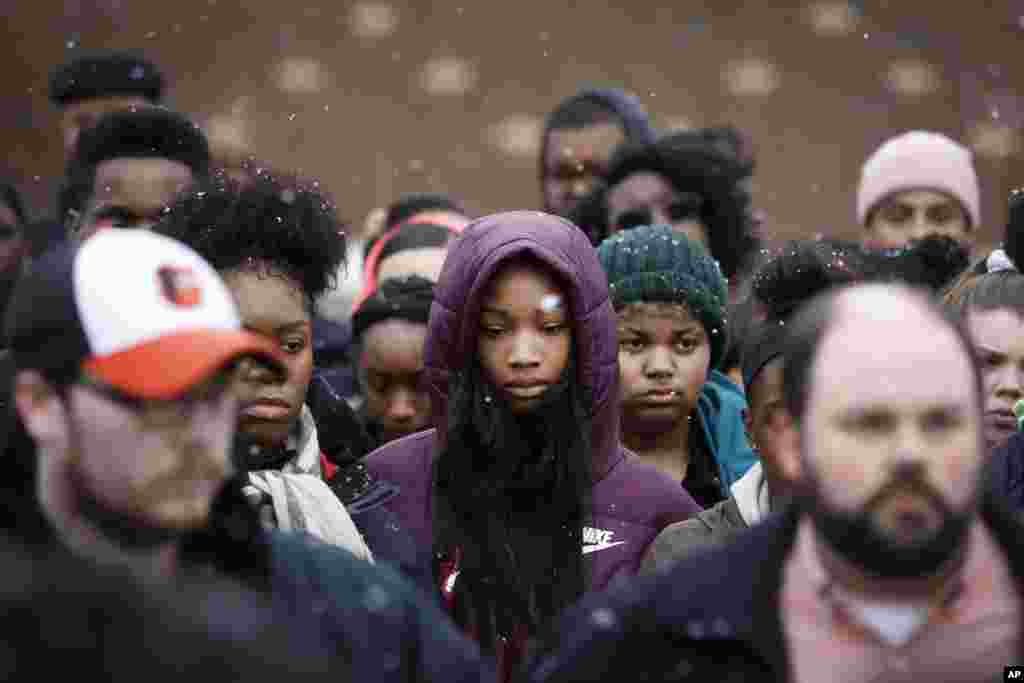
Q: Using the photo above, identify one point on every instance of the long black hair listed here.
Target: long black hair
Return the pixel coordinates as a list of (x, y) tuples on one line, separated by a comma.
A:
[(511, 497)]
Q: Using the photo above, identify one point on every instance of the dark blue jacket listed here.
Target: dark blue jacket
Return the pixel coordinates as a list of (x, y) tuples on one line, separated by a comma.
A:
[(385, 628), (1007, 473), (332, 344), (714, 616), (392, 631)]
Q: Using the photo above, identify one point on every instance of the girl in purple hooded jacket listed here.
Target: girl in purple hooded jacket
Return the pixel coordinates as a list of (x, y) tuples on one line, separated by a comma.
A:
[(522, 498)]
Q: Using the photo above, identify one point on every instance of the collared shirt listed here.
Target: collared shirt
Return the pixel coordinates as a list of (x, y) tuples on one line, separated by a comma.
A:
[(971, 638)]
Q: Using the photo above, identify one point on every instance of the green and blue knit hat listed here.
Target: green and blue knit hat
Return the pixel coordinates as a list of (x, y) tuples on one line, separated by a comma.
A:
[(654, 263)]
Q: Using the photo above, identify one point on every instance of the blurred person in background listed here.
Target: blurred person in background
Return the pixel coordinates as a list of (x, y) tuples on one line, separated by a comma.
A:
[(127, 169), (423, 224), (416, 207), (93, 84), (579, 137), (364, 249), (685, 181), (916, 184), (417, 248), (991, 305)]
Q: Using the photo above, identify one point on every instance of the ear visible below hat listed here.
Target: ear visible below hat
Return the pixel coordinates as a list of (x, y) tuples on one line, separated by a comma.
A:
[(41, 410)]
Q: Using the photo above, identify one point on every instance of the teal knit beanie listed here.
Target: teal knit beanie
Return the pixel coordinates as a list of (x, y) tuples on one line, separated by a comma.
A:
[(654, 263)]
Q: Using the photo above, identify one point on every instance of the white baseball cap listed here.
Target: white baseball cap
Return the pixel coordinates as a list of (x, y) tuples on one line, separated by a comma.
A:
[(140, 312)]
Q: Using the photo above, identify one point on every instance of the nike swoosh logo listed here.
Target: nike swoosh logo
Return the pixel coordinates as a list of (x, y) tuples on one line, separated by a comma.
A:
[(587, 549)]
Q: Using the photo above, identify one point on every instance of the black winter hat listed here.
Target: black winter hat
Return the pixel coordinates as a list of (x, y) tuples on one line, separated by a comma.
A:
[(144, 132), (407, 298), (654, 263), (105, 74)]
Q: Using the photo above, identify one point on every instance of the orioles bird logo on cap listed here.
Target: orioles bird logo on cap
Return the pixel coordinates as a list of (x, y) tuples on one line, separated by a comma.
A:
[(179, 285)]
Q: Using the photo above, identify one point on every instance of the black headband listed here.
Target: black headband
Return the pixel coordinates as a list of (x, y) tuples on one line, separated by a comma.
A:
[(765, 343)]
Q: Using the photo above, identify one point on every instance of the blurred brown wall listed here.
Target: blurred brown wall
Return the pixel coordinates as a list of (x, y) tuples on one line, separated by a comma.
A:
[(369, 130)]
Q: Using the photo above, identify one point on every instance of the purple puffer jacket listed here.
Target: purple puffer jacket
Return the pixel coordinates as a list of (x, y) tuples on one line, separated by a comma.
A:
[(632, 501)]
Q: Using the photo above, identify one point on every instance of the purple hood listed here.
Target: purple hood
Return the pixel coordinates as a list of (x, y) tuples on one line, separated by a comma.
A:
[(472, 260)]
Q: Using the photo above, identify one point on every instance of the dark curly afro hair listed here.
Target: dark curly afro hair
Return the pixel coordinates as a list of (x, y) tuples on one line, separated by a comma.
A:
[(710, 164), (803, 269), (284, 228)]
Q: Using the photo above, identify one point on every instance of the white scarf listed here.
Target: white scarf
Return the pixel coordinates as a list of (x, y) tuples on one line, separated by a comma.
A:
[(301, 500), (751, 495)]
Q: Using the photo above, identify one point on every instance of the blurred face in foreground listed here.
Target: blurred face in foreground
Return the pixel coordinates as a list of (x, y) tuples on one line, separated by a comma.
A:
[(892, 434), (136, 469)]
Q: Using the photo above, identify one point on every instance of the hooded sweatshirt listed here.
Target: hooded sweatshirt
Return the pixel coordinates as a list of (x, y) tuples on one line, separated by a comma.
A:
[(635, 123), (631, 500), (720, 408)]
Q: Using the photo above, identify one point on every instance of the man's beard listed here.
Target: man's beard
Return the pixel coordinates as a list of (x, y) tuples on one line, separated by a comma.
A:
[(859, 539), (128, 530)]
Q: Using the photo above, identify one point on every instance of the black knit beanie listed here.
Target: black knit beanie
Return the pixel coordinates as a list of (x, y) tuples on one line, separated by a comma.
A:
[(657, 264), (405, 298), (106, 74)]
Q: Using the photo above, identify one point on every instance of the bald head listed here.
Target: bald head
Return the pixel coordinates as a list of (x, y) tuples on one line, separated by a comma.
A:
[(900, 340), (865, 325)]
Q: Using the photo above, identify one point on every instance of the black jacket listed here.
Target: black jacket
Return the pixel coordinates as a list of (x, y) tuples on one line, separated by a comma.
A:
[(344, 442), (711, 617)]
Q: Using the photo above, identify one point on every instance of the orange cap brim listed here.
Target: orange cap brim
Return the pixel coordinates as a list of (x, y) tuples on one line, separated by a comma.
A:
[(172, 364)]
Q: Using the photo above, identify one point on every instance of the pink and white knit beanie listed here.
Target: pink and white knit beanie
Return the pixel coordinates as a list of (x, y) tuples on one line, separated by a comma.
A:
[(919, 160)]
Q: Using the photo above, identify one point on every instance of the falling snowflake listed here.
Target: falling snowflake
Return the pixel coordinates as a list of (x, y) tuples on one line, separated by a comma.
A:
[(994, 140), (373, 20), (517, 135), (448, 76), (833, 19), (751, 77), (301, 75), (912, 77)]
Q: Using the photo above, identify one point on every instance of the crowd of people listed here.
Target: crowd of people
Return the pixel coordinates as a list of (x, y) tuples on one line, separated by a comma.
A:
[(614, 438)]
